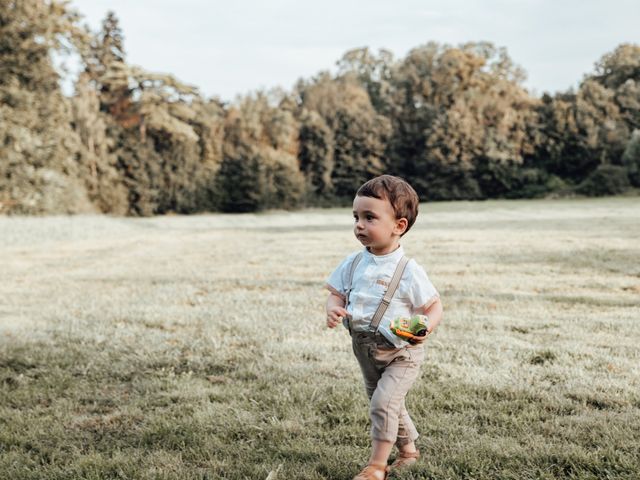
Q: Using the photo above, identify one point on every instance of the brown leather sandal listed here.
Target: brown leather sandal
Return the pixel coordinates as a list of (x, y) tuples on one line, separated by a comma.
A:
[(369, 472), (405, 459)]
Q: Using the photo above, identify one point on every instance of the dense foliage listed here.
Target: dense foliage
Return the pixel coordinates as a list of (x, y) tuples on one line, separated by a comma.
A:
[(454, 121)]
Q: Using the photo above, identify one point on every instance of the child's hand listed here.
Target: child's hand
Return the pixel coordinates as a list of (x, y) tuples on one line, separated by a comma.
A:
[(419, 340), (334, 316)]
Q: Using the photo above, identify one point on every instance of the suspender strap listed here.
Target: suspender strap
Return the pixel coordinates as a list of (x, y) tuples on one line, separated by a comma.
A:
[(354, 264), (388, 295)]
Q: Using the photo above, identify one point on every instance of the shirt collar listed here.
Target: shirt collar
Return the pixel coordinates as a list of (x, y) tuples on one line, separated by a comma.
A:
[(394, 256)]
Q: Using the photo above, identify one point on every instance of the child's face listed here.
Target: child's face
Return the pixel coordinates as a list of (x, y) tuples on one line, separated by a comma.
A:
[(376, 226)]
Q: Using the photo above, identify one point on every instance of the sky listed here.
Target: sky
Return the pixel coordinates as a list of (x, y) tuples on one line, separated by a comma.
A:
[(233, 48)]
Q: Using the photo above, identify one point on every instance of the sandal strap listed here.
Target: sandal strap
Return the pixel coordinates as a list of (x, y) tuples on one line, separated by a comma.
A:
[(415, 454), (405, 459)]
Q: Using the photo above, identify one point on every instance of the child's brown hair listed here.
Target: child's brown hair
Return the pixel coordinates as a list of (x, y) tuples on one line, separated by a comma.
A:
[(402, 197)]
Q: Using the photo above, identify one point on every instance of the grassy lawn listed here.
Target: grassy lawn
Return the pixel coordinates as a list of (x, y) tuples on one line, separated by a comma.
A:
[(194, 347)]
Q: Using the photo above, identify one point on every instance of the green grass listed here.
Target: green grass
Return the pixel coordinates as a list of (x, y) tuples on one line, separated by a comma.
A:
[(194, 347)]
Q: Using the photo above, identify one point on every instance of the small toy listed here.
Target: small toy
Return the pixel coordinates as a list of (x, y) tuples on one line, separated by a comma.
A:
[(410, 329)]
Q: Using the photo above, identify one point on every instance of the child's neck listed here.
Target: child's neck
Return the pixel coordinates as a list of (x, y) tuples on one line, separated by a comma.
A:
[(384, 250)]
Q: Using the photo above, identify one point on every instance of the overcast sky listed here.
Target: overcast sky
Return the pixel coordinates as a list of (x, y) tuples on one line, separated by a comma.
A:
[(227, 47)]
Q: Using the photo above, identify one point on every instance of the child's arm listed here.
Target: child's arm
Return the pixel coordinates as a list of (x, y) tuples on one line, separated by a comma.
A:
[(432, 310), (335, 309)]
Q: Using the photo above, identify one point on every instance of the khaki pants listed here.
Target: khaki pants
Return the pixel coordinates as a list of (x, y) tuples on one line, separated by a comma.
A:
[(388, 373)]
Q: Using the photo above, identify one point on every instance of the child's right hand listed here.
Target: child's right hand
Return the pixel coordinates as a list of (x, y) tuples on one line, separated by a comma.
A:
[(335, 315)]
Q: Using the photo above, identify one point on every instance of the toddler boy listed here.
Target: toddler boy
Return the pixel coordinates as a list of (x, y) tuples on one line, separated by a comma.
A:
[(369, 289)]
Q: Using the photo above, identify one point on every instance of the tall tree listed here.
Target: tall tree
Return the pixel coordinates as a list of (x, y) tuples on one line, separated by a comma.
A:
[(581, 131), (317, 144), (97, 162), (105, 62), (372, 71), (260, 168), (170, 149), (356, 134), (631, 158), (38, 147), (461, 128)]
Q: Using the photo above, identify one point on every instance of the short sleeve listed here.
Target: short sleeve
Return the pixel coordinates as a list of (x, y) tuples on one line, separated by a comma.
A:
[(337, 281), (422, 292)]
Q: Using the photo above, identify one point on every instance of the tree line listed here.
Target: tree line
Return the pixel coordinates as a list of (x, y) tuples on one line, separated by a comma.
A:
[(456, 122)]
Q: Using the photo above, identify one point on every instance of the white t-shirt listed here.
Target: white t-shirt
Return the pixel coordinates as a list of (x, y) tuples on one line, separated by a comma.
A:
[(370, 281)]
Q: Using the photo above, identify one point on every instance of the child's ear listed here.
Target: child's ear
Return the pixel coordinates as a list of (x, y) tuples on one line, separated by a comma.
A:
[(401, 225)]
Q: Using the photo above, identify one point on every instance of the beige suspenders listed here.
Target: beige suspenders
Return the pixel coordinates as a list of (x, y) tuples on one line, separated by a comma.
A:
[(354, 264), (352, 269), (388, 295)]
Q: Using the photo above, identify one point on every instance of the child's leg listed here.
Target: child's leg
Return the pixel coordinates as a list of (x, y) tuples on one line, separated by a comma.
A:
[(370, 373), (407, 433), (387, 401), (388, 375), (380, 452)]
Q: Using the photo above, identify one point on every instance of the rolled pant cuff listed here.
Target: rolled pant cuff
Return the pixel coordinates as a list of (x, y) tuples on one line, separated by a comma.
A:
[(401, 442), (379, 439)]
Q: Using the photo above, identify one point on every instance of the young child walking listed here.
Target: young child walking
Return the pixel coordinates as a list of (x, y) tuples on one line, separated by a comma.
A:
[(370, 288)]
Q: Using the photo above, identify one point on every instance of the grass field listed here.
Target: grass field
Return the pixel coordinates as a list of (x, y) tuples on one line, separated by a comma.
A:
[(195, 347)]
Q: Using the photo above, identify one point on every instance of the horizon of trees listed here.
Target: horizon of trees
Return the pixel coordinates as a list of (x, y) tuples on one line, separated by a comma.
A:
[(456, 122)]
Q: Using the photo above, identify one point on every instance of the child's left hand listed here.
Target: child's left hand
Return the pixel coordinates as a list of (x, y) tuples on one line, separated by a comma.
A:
[(416, 340)]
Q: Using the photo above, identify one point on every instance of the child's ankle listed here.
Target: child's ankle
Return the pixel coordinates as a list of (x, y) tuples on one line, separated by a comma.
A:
[(408, 447)]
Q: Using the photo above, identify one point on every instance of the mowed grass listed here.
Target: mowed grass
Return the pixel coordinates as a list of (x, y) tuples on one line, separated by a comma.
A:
[(195, 347)]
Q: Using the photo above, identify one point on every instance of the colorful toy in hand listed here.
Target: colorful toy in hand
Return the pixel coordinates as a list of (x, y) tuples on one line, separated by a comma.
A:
[(410, 329)]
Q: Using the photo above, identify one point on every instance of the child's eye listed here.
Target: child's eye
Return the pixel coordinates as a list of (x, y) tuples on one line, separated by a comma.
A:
[(370, 217)]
